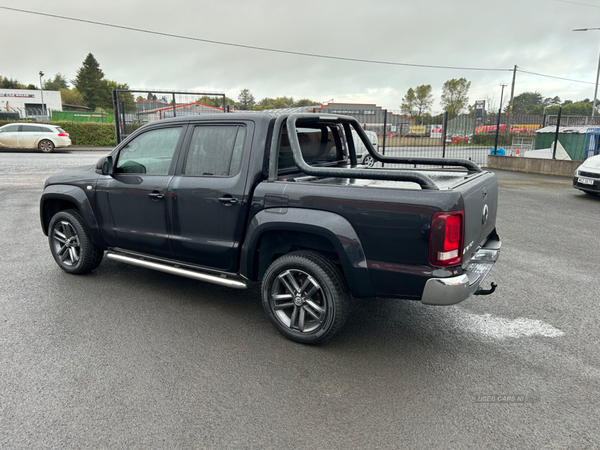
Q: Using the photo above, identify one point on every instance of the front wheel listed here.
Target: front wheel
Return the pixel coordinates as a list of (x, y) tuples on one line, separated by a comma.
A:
[(305, 297), (71, 245), (46, 146)]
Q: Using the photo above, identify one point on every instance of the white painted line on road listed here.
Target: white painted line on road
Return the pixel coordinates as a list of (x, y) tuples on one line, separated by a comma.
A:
[(502, 328)]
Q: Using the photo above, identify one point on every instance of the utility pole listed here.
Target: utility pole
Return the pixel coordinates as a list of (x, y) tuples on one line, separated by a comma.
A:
[(512, 91), (597, 75), (42, 92), (512, 99)]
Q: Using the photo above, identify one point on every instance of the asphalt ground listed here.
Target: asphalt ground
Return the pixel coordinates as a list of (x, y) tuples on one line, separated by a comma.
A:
[(130, 358)]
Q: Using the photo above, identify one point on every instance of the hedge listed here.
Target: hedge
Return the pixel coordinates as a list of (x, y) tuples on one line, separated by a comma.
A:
[(85, 133)]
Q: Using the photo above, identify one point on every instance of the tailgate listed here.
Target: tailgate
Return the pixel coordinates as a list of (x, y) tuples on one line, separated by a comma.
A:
[(480, 196)]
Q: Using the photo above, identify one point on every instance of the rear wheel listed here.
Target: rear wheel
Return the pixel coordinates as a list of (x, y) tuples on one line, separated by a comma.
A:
[(368, 161), (71, 245), (305, 297), (46, 146)]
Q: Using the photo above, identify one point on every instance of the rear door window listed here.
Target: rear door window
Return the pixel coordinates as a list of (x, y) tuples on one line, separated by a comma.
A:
[(31, 129), (215, 150)]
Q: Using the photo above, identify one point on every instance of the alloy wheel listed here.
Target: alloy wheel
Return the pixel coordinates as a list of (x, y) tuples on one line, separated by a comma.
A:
[(298, 301), (66, 243)]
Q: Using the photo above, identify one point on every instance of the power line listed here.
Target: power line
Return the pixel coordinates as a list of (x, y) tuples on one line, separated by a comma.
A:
[(552, 76), (577, 3), (231, 44)]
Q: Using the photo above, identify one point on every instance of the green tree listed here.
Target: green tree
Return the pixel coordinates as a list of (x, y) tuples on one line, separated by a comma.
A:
[(455, 96), (276, 103), (125, 97), (408, 106), (417, 101), (57, 83), (246, 100), (217, 102), (71, 97), (527, 103), (306, 102), (90, 84), (552, 101), (32, 87), (571, 108), (9, 83), (424, 99)]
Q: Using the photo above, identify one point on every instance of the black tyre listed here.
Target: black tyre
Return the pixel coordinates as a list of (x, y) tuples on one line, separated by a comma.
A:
[(46, 146), (71, 245), (368, 160), (305, 297)]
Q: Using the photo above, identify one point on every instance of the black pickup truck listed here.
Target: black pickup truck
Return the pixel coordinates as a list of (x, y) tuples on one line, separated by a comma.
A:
[(238, 198)]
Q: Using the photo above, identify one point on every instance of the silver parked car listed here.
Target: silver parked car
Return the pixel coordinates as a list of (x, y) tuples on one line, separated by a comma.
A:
[(587, 176), (33, 135), (363, 156)]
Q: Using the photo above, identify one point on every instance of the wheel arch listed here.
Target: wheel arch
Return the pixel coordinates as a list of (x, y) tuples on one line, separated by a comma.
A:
[(271, 234), (51, 139), (62, 197)]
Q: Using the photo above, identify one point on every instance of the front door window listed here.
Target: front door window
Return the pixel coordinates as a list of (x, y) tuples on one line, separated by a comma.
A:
[(150, 153)]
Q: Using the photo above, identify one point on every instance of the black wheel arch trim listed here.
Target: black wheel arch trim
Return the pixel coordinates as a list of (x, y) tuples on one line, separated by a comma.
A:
[(76, 196), (333, 227)]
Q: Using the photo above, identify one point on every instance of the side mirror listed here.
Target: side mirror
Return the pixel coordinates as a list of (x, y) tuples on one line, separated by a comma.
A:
[(105, 166)]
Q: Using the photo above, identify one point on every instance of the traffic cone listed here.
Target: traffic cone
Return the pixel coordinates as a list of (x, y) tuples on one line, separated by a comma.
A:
[(517, 152)]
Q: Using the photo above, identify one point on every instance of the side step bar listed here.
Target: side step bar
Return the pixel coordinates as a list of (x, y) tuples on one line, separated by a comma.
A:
[(235, 284)]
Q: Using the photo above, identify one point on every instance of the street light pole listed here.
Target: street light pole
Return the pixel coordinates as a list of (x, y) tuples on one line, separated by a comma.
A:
[(596, 88), (42, 92), (597, 72)]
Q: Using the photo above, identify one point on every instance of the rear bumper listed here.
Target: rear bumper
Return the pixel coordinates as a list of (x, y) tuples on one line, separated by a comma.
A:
[(63, 142), (451, 290)]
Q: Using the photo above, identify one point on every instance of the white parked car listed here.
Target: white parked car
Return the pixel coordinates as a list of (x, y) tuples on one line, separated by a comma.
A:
[(33, 135), (587, 176), (362, 155)]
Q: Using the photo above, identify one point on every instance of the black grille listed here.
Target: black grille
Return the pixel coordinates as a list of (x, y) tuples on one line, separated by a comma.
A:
[(589, 174)]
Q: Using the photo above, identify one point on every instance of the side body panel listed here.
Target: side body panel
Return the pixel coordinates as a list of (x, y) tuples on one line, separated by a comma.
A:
[(391, 225)]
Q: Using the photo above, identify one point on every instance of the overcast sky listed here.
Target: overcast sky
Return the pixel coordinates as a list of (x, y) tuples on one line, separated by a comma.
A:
[(536, 35)]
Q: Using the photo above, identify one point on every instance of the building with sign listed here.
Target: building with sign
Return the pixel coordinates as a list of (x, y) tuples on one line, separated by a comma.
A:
[(370, 116), (28, 102)]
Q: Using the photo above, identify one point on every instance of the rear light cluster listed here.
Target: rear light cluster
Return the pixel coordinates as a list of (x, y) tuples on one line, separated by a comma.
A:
[(63, 134), (446, 239)]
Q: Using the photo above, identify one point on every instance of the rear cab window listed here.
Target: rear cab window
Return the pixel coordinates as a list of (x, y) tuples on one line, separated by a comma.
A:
[(321, 146)]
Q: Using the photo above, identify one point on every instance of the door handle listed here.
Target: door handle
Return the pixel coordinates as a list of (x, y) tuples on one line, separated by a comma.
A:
[(228, 201), (156, 195)]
